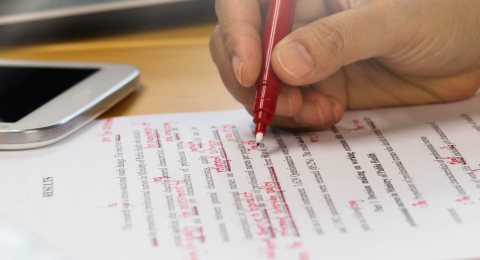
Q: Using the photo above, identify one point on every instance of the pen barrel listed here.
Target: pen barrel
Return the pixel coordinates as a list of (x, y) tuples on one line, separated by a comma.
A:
[(266, 97), (278, 25), (268, 86)]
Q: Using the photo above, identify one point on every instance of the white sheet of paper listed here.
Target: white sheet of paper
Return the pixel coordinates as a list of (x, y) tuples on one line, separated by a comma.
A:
[(400, 183)]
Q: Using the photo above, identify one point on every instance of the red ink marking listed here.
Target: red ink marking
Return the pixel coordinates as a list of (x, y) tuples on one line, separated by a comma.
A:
[(420, 203), (476, 170), (372, 125), (284, 201), (190, 236), (212, 147), (453, 160), (218, 164), (150, 138), (172, 182), (463, 161), (314, 139), (141, 123), (464, 199), (252, 144), (269, 251), (154, 240), (250, 201), (269, 223), (107, 124), (168, 129), (269, 187), (202, 237), (295, 245), (175, 183), (354, 204), (223, 149), (181, 198), (157, 179), (192, 146), (190, 245), (283, 226), (159, 144), (168, 132), (301, 140), (195, 210), (249, 142), (113, 205), (128, 205), (253, 210), (222, 127), (118, 138), (107, 133), (303, 256), (177, 136), (357, 125), (275, 204)]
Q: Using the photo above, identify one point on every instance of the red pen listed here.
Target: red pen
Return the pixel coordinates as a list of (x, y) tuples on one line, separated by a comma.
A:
[(267, 88)]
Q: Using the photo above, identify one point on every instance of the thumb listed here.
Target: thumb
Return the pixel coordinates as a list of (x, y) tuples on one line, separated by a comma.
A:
[(315, 51)]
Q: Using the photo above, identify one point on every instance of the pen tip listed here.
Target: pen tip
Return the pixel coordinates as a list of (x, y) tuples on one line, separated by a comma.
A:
[(259, 138)]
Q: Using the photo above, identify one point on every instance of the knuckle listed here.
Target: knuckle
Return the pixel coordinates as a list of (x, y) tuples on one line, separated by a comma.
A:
[(328, 35), (227, 29), (215, 45), (213, 39)]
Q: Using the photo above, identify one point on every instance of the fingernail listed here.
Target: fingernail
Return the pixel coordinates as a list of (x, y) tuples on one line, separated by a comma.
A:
[(284, 104), (310, 114), (295, 59), (237, 65)]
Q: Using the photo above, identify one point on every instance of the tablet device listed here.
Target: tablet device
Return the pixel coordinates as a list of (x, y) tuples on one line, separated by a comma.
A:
[(44, 102)]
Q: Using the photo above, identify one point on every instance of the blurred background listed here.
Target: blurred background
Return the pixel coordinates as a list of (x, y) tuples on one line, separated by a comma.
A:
[(32, 21), (168, 40)]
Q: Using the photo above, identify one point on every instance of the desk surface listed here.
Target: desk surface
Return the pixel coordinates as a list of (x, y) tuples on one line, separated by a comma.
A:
[(178, 74)]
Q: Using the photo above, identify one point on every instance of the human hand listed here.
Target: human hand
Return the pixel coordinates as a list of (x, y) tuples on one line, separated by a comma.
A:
[(352, 54)]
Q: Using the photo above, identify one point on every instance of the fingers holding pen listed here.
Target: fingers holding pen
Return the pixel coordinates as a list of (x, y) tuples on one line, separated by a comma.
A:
[(318, 110), (302, 108), (236, 48), (289, 101), (240, 25)]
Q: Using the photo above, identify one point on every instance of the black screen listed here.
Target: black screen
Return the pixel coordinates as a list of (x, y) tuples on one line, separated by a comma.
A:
[(24, 89)]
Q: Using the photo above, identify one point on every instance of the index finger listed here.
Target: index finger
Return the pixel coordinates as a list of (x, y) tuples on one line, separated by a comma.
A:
[(240, 23)]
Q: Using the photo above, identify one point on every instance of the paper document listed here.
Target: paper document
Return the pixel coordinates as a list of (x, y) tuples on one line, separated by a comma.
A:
[(399, 183)]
